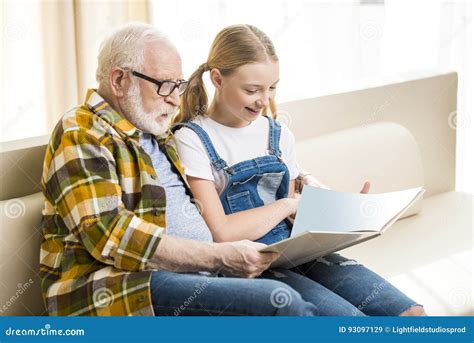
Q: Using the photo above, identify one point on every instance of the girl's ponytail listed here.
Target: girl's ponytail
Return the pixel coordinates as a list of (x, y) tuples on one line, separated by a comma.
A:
[(194, 99), (233, 47)]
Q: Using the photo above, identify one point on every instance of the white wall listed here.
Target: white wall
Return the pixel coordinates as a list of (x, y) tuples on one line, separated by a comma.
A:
[(334, 46)]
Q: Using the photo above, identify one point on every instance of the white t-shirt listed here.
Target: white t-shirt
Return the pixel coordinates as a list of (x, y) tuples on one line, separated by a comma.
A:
[(233, 145)]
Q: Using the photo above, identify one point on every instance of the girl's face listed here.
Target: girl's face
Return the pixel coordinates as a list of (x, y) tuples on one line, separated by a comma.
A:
[(242, 95)]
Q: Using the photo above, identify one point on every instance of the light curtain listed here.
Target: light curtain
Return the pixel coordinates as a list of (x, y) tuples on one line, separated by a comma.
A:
[(72, 31)]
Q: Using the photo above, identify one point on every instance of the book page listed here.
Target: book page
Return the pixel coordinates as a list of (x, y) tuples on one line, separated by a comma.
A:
[(311, 245), (327, 210)]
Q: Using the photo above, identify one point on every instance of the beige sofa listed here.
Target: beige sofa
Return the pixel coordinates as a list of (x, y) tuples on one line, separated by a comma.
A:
[(398, 136)]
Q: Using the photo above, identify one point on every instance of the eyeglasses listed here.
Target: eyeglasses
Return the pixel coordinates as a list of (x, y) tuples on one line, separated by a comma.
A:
[(165, 87)]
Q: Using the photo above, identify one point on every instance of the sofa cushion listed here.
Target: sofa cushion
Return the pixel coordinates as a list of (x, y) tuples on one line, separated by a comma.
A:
[(429, 255), (20, 238), (384, 153)]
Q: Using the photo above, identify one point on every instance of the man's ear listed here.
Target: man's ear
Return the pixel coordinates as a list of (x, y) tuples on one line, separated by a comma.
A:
[(216, 78), (118, 81)]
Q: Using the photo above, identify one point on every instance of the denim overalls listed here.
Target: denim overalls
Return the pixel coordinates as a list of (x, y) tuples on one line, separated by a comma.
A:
[(252, 183)]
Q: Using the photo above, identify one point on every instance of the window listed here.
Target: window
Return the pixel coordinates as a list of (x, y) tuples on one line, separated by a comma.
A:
[(338, 46)]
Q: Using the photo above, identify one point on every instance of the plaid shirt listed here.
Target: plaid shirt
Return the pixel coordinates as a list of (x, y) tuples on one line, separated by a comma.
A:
[(103, 215)]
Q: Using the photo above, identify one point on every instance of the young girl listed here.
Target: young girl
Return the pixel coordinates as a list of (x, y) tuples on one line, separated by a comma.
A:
[(240, 165)]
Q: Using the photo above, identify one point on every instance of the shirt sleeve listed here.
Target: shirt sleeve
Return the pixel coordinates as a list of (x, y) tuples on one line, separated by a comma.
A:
[(83, 185), (192, 154), (287, 146)]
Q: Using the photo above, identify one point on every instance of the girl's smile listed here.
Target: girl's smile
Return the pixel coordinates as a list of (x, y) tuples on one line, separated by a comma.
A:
[(242, 95)]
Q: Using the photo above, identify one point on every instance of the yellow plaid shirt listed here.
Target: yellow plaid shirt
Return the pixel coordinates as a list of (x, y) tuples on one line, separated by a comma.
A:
[(103, 216)]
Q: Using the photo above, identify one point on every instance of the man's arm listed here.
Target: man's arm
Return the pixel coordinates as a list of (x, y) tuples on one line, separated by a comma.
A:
[(240, 258), (81, 182)]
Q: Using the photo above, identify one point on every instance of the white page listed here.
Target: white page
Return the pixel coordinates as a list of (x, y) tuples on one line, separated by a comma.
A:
[(327, 210), (311, 245)]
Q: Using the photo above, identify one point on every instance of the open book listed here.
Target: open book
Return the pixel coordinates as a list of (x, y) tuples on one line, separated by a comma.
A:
[(329, 221)]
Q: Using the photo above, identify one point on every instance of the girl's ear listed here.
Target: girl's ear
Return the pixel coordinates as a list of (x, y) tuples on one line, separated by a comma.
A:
[(216, 78)]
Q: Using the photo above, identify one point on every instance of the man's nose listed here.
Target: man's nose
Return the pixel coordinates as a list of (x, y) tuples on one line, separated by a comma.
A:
[(173, 98)]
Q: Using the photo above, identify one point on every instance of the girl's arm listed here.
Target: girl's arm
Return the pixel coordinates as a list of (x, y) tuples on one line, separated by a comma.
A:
[(249, 224), (291, 189)]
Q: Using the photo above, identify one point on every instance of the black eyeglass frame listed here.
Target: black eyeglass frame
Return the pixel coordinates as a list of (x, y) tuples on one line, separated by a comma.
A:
[(160, 83)]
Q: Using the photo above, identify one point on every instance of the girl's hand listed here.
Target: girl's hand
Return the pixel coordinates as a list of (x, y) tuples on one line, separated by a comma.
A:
[(306, 179), (365, 187), (310, 180), (292, 203)]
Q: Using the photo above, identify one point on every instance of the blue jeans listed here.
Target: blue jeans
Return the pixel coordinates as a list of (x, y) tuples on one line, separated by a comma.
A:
[(330, 286)]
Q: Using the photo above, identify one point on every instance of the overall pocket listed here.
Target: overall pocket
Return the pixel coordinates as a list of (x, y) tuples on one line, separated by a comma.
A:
[(240, 201), (268, 186)]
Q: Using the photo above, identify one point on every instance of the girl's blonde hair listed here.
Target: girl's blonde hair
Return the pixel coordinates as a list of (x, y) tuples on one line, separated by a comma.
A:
[(233, 47)]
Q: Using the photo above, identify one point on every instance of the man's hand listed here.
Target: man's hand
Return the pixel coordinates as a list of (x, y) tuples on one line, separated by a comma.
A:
[(243, 259)]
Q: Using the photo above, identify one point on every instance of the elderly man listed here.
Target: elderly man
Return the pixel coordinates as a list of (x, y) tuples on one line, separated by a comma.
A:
[(121, 235)]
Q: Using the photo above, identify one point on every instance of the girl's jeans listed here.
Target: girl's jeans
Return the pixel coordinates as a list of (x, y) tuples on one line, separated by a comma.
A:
[(329, 286)]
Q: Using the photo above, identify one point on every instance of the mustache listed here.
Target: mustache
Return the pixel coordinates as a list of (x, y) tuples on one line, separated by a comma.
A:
[(166, 109)]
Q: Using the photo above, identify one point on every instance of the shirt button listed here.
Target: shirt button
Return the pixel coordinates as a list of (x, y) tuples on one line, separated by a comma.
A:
[(157, 211)]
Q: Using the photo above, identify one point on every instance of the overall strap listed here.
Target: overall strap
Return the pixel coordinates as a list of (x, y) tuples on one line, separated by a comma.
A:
[(274, 137), (216, 160)]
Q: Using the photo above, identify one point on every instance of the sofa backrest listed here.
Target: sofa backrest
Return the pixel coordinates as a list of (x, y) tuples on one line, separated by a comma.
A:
[(21, 201), (425, 107)]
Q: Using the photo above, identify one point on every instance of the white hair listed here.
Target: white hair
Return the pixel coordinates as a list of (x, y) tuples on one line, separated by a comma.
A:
[(125, 48)]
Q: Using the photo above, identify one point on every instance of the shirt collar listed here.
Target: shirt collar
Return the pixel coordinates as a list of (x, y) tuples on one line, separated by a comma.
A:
[(102, 108)]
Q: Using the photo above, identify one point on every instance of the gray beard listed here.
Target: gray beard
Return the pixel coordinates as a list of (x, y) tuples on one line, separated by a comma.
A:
[(146, 121)]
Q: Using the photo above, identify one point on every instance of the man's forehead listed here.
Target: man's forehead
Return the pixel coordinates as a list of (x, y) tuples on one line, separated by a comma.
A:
[(164, 74), (163, 61)]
